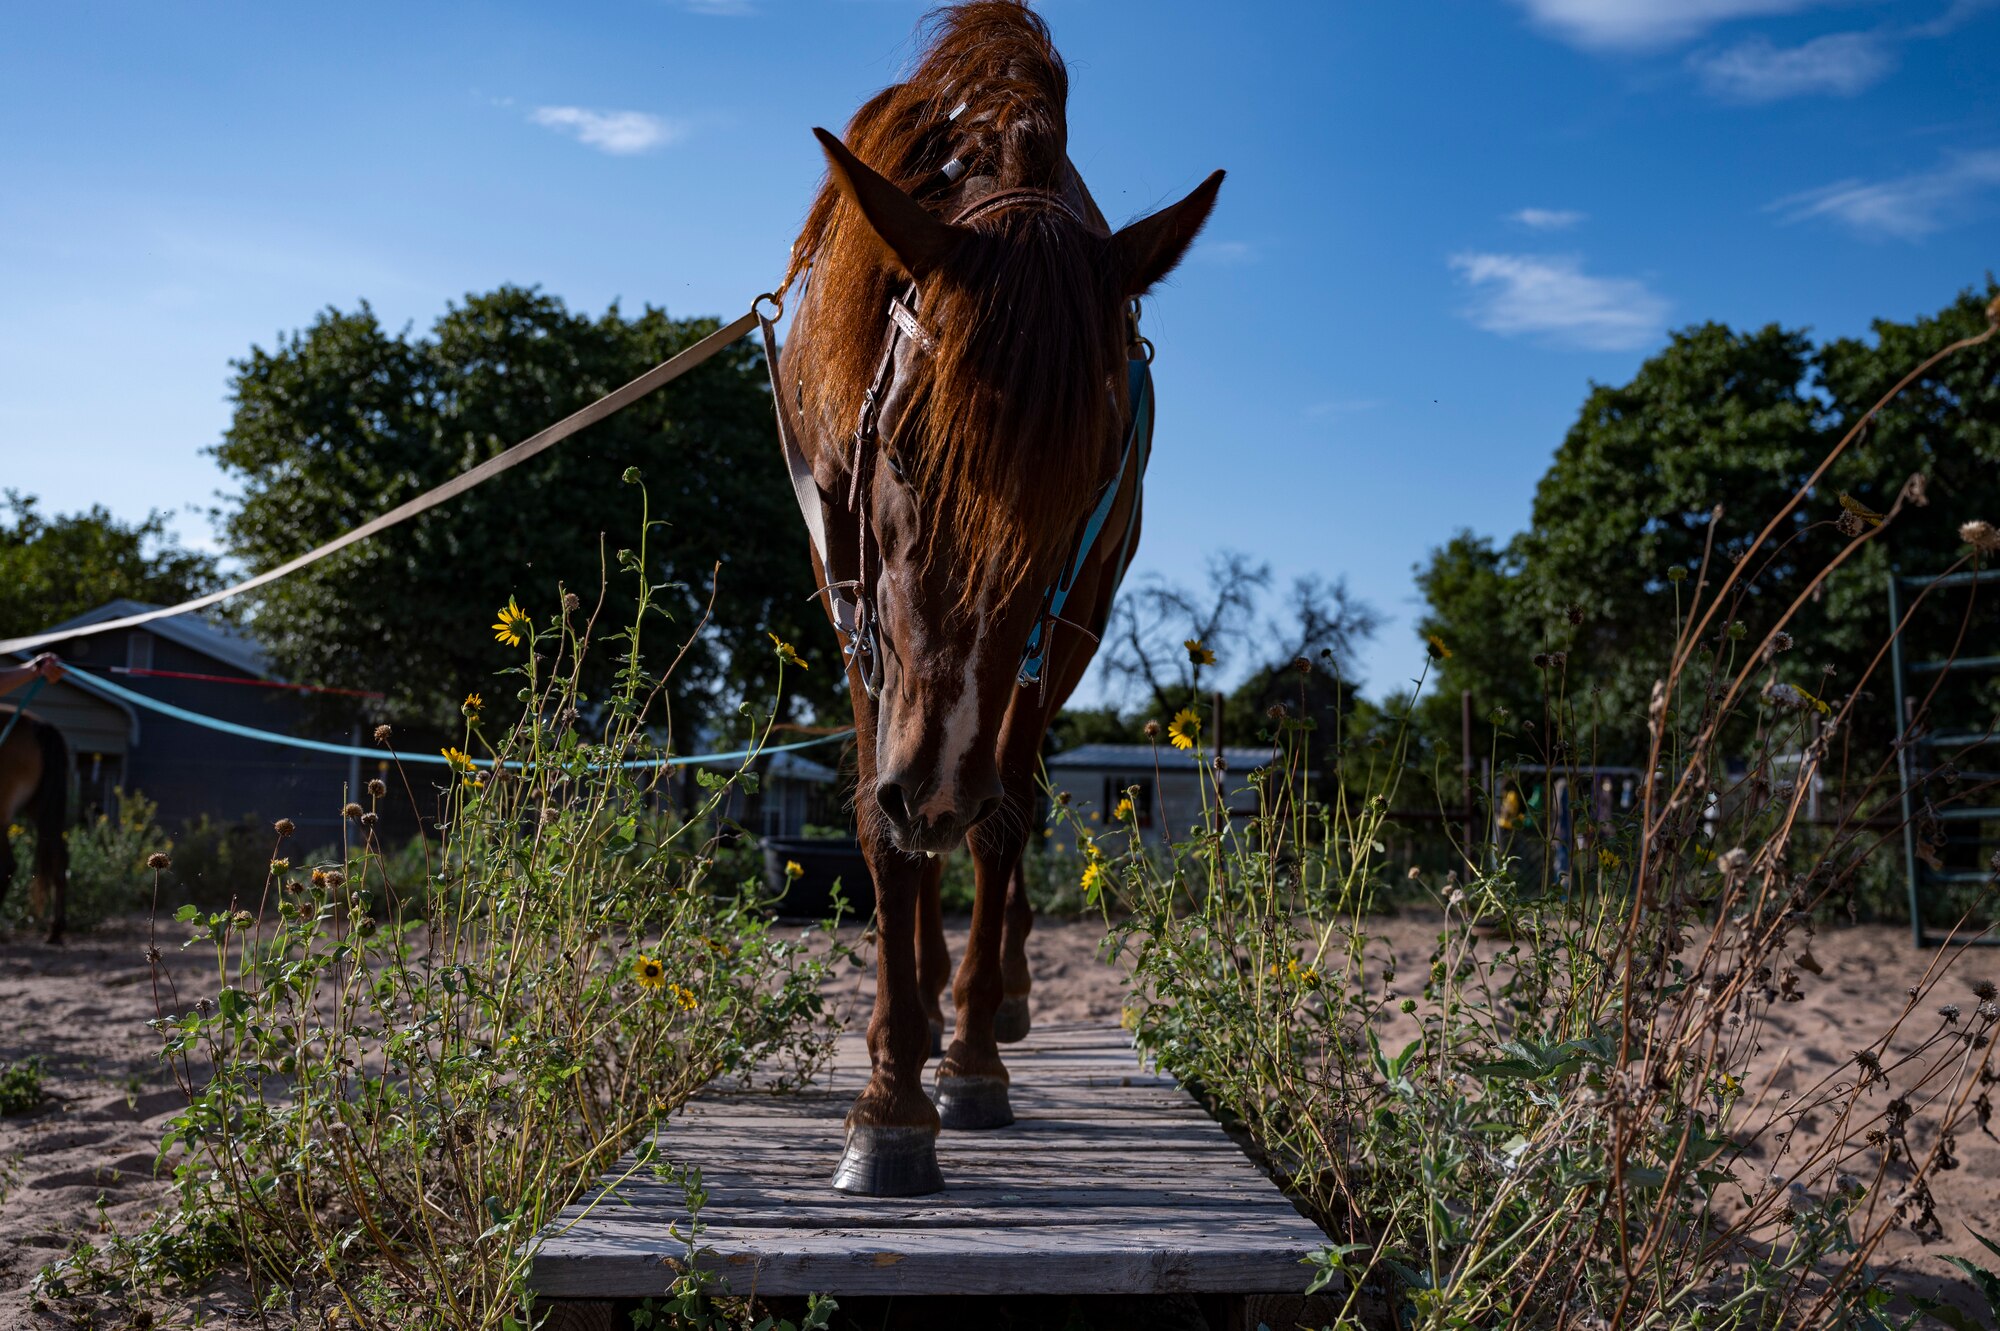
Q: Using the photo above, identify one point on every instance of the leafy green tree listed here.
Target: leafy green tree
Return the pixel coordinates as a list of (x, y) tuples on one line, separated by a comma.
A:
[(53, 569), (1703, 447), (346, 419)]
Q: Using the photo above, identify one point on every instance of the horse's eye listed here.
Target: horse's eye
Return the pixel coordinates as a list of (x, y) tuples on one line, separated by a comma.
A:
[(895, 467)]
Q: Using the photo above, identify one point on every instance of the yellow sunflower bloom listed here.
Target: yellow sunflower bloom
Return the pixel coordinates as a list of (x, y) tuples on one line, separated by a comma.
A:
[(1438, 651), (1183, 729), (1123, 811), (511, 628), (1093, 879), (649, 972), (459, 759), (787, 653), (683, 997), (1198, 654), (793, 869), (472, 706)]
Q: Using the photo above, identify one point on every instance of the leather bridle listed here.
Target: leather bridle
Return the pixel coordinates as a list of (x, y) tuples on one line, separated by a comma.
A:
[(851, 601)]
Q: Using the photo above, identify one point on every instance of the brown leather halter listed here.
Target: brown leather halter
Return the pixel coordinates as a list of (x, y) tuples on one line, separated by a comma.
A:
[(851, 601)]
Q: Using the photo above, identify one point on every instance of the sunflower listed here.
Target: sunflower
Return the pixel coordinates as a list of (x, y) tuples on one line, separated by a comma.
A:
[(683, 997), (459, 760), (1123, 811), (1093, 879), (1198, 654), (649, 972), (787, 653), (511, 627), (472, 705), (1438, 651), (793, 869), (1183, 729)]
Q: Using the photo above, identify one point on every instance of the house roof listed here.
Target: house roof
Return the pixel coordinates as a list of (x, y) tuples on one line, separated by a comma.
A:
[(1141, 757), (197, 633)]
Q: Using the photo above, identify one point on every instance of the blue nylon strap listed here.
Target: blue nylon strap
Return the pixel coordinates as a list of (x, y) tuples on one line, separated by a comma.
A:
[(122, 694), (1138, 439)]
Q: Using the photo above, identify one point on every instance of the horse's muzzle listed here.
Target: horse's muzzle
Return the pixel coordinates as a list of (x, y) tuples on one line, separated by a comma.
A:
[(940, 826)]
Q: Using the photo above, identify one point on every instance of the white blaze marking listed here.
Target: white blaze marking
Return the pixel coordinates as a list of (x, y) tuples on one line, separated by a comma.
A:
[(961, 724)]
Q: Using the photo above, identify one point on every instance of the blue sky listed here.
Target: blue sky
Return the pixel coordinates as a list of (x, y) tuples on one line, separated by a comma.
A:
[(1442, 220)]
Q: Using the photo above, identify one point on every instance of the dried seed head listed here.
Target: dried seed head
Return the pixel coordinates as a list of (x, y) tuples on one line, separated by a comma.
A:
[(378, 787), (157, 860), (350, 810), (1301, 665), (368, 820), (1152, 730), (1574, 612), (1277, 711), (1981, 536), (1983, 990), (284, 827), (242, 919), (382, 734)]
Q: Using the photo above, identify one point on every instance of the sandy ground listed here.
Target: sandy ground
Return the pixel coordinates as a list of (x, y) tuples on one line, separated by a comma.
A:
[(84, 1008)]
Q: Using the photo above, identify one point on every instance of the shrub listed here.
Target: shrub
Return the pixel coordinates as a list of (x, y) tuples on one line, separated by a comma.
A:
[(107, 863), (1548, 1123), (395, 1083)]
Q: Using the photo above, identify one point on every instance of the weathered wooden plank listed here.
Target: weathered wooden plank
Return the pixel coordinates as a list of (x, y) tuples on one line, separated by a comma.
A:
[(1111, 1180)]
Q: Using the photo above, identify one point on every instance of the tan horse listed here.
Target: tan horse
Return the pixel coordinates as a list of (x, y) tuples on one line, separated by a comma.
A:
[(961, 402), (34, 783)]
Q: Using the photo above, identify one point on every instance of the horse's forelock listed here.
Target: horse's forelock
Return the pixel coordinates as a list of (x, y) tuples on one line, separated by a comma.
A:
[(1019, 419)]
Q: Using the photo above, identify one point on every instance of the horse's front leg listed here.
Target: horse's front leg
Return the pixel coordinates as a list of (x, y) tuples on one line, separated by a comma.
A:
[(1011, 1022), (892, 1128), (933, 952), (972, 1080)]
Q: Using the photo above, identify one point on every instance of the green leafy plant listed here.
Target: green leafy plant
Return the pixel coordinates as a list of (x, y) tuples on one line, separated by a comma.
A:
[(394, 1085), (21, 1086), (1547, 1121)]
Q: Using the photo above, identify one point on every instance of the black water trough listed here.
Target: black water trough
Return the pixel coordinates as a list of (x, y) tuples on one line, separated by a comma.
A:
[(824, 860)]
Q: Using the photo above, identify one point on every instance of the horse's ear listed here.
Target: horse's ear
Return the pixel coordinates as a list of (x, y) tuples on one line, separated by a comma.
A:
[(1149, 248), (918, 240)]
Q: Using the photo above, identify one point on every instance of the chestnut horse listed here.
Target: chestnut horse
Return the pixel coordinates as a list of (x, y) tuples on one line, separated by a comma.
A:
[(34, 780), (965, 406)]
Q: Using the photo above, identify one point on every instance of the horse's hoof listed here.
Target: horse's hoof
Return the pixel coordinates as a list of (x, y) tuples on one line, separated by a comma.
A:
[(1011, 1022), (937, 1038), (889, 1162), (970, 1104)]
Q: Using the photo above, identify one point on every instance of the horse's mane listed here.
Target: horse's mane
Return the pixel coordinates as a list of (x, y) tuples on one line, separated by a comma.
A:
[(1028, 370)]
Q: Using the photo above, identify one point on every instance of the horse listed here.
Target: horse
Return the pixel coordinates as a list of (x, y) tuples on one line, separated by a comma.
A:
[(34, 780), (960, 399)]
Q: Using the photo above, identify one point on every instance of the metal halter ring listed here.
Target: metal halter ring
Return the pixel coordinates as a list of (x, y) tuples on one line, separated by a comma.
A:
[(775, 300)]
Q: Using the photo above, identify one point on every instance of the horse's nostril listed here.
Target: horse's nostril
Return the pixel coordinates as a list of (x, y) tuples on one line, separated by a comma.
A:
[(890, 796), (986, 808)]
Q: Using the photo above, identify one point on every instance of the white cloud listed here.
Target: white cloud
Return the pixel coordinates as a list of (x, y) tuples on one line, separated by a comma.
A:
[(1547, 219), (1641, 25), (620, 133), (1228, 253), (1842, 63), (1907, 208), (1550, 297)]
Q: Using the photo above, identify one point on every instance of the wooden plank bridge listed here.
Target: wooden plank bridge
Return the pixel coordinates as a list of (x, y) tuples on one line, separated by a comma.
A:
[(1111, 1181)]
